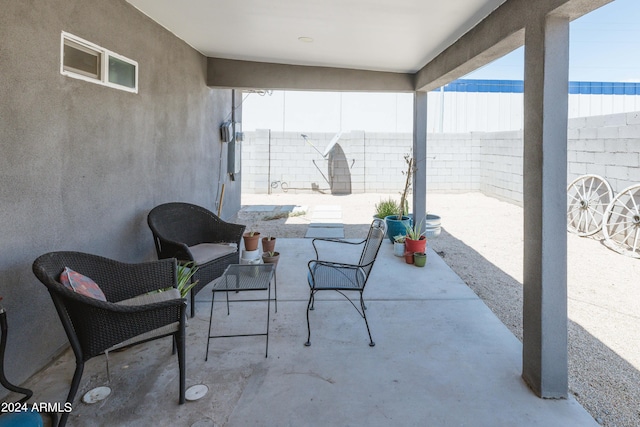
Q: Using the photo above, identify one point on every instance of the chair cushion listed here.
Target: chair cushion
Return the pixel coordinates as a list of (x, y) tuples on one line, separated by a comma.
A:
[(150, 299), (81, 284), (205, 252)]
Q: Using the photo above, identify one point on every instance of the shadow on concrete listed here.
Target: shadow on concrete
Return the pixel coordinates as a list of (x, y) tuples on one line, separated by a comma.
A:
[(601, 381)]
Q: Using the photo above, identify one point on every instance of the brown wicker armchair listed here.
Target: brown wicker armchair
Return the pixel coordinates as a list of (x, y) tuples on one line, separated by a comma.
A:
[(130, 315), (191, 233)]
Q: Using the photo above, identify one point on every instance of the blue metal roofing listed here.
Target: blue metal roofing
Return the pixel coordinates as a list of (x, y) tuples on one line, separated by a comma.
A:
[(517, 86)]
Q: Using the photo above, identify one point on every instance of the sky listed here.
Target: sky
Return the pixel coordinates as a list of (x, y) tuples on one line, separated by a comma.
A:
[(603, 48)]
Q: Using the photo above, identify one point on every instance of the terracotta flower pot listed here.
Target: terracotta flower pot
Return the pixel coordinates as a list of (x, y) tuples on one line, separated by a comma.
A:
[(251, 241), (271, 259), (416, 245), (268, 244), (408, 257)]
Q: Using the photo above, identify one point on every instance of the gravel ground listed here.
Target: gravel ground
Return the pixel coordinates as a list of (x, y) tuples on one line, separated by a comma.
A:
[(482, 242)]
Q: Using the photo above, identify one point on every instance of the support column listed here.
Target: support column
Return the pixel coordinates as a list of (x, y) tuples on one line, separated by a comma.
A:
[(420, 155), (544, 358)]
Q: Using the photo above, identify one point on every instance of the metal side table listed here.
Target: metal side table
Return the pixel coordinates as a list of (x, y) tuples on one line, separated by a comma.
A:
[(240, 278)]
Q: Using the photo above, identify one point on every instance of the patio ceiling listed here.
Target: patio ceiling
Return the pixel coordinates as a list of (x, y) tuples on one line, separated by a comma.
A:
[(377, 35)]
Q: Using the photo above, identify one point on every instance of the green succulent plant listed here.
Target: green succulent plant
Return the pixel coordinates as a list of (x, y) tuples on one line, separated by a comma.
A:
[(400, 238), (387, 207), (185, 272), (414, 232)]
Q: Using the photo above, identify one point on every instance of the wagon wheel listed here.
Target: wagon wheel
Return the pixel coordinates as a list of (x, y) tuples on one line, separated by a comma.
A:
[(587, 199), (622, 225)]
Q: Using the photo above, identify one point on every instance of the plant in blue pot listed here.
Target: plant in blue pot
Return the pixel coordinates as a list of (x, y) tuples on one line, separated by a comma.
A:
[(397, 224)]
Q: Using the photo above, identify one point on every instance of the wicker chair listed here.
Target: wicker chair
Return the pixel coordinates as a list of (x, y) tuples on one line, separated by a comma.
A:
[(341, 277), (191, 233), (130, 315)]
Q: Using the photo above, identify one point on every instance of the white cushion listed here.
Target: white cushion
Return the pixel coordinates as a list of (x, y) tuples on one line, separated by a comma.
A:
[(144, 299), (205, 252)]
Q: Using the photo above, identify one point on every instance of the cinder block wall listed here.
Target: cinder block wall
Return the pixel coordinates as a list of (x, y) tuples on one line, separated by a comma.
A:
[(384, 161), (490, 162), (608, 146), (500, 159), (376, 161), (453, 162)]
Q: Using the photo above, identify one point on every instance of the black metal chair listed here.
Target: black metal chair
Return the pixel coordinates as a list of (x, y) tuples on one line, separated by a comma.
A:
[(327, 275), (191, 233), (132, 313)]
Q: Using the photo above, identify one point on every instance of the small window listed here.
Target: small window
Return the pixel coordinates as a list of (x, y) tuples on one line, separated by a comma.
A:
[(122, 72), (84, 60)]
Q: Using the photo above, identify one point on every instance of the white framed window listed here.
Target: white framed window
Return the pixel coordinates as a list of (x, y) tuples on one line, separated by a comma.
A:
[(87, 61)]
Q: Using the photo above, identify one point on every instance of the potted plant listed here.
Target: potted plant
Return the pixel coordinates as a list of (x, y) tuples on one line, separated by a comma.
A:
[(386, 208), (268, 243), (398, 222), (419, 259), (251, 240), (396, 226), (415, 240), (184, 273), (408, 257), (271, 257), (398, 245)]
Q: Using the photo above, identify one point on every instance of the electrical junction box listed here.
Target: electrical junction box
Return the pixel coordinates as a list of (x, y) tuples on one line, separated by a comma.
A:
[(226, 132), (233, 157), (231, 133)]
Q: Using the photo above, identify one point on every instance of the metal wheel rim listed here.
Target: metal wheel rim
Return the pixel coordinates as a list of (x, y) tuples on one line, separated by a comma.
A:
[(587, 199), (622, 226)]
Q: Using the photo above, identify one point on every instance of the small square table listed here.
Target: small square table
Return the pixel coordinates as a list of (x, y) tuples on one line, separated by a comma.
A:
[(240, 278)]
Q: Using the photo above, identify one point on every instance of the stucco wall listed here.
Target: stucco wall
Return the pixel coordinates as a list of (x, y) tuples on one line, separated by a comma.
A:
[(82, 164), (490, 162)]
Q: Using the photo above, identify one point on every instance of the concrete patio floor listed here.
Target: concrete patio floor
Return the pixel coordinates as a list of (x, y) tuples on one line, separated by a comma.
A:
[(441, 358)]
